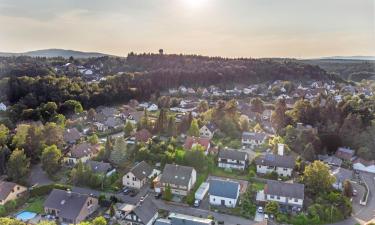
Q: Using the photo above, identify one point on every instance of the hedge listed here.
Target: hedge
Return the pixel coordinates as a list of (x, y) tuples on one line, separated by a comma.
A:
[(46, 189)]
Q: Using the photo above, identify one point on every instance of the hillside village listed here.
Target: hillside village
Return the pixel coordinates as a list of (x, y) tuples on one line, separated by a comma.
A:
[(206, 155)]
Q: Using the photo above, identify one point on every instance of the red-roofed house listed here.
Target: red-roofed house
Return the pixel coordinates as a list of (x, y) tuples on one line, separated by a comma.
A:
[(143, 135), (190, 142)]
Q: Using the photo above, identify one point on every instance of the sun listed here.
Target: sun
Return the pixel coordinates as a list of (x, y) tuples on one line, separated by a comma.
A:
[(195, 3)]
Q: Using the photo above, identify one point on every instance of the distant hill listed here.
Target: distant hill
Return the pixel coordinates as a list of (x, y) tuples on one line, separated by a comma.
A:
[(349, 57), (55, 53)]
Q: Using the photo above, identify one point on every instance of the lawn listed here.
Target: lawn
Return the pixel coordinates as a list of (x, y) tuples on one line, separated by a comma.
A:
[(35, 205), (258, 185), (240, 175)]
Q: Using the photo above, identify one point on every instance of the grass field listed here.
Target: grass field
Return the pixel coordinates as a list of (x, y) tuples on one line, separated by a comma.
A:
[(35, 205)]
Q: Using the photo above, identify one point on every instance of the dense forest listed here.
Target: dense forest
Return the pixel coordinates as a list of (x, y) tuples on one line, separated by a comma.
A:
[(354, 70), (33, 81)]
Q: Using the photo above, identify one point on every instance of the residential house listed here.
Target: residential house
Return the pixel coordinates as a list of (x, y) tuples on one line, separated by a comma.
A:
[(10, 191), (266, 114), (143, 135), (287, 194), (330, 160), (253, 139), (152, 108), (72, 135), (191, 142), (345, 153), (341, 176), (3, 107), (138, 175), (70, 207), (364, 165), (181, 219), (232, 159), (144, 213), (180, 179), (282, 164), (100, 167), (113, 123), (266, 222), (207, 131), (83, 151), (224, 192)]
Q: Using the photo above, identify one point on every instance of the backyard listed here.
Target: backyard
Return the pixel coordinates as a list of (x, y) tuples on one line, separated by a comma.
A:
[(35, 205)]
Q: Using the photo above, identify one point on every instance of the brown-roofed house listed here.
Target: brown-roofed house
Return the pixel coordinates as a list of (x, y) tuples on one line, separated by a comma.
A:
[(10, 191), (71, 136), (83, 152)]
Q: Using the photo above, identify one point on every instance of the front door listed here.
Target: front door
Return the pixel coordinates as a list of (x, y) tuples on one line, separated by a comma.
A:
[(222, 202)]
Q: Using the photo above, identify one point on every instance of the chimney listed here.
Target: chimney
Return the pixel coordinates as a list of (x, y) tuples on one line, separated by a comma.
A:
[(280, 149)]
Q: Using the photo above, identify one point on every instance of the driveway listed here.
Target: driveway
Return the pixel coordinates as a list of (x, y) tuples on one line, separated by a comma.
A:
[(134, 200), (259, 217), (38, 177), (177, 208)]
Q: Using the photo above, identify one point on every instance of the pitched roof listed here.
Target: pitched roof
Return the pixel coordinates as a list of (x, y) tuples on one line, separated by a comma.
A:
[(232, 154), (141, 170), (344, 153), (84, 149), (364, 162), (224, 188), (276, 160), (69, 204), (72, 135), (342, 174), (176, 174), (190, 141), (254, 135), (293, 190), (99, 167), (146, 210), (5, 189), (266, 222), (211, 127)]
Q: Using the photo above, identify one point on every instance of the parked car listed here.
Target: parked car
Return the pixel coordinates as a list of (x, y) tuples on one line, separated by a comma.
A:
[(266, 216), (126, 191), (355, 192), (158, 195), (141, 199), (197, 203), (260, 209), (133, 193)]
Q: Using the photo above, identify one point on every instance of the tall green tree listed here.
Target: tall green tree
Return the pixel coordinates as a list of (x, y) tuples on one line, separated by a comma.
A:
[(4, 134), (18, 165), (194, 128), (318, 178), (172, 130), (51, 159), (128, 129), (120, 152)]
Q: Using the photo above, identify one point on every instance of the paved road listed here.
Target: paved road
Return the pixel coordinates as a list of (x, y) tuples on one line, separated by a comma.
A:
[(38, 176), (228, 219)]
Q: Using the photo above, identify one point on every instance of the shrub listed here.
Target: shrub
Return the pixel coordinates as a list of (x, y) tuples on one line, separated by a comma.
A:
[(46, 189)]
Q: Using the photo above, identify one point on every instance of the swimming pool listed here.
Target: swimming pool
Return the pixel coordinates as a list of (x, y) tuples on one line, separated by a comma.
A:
[(25, 216)]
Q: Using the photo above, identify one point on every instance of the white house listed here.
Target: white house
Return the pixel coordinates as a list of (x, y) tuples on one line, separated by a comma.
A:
[(138, 175), (180, 179), (83, 152), (253, 139), (232, 159), (152, 108), (281, 164), (144, 213), (207, 130), (364, 165), (287, 194), (224, 192), (3, 107)]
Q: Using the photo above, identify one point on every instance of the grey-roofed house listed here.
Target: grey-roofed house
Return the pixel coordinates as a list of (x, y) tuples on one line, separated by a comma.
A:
[(341, 176), (283, 165), (181, 219), (138, 175), (288, 194), (69, 207), (224, 192), (253, 139), (10, 191), (330, 160), (180, 179), (144, 213), (232, 159), (72, 135), (100, 167)]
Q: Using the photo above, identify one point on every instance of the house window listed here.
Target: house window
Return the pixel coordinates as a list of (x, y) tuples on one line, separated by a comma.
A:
[(127, 176), (18, 188), (278, 197), (285, 169), (295, 200), (272, 196)]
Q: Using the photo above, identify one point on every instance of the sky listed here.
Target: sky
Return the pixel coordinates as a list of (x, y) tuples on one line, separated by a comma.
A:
[(228, 28)]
